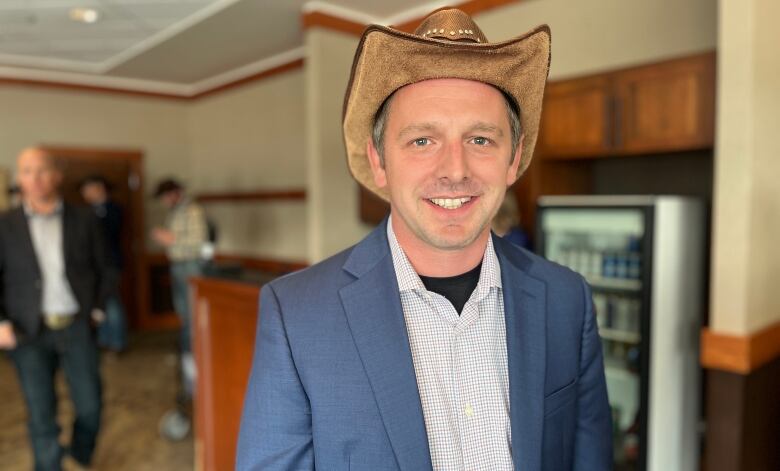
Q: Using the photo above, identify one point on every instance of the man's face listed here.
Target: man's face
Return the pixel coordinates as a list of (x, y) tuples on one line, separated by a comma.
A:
[(93, 193), (170, 198), (36, 175), (447, 160)]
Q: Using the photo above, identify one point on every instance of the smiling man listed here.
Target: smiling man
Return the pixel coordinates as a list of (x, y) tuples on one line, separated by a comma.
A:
[(432, 344)]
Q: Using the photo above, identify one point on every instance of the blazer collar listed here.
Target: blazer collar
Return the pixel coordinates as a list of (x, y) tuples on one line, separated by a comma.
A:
[(525, 308), (373, 309)]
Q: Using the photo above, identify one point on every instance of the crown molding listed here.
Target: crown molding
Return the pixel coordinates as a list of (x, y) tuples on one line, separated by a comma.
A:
[(81, 81), (261, 69), (252, 71)]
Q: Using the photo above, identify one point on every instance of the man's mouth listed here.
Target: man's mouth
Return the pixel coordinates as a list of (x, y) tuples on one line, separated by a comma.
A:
[(450, 203)]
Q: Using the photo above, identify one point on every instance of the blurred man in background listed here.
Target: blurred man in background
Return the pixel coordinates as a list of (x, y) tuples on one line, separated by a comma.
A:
[(55, 275), (96, 191), (185, 238)]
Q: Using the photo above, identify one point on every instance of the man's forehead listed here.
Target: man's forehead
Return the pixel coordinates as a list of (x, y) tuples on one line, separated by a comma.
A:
[(450, 87), (35, 157)]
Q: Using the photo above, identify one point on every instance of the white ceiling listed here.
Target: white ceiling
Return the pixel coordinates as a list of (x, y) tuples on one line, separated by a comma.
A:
[(169, 46)]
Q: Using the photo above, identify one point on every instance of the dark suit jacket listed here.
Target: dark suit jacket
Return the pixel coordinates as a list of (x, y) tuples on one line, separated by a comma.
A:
[(333, 383), (87, 264)]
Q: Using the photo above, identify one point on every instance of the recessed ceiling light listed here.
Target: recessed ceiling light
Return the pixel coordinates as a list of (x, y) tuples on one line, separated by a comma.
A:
[(84, 15)]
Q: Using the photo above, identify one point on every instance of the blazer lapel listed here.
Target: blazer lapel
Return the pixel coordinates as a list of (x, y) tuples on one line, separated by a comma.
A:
[(67, 232), (373, 309), (22, 229), (525, 310)]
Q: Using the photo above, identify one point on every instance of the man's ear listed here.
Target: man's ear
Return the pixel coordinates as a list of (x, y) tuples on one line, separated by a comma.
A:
[(377, 168), (511, 175)]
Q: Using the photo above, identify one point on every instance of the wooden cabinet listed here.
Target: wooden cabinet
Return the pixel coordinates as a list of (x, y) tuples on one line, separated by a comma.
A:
[(663, 107), (666, 107), (576, 118)]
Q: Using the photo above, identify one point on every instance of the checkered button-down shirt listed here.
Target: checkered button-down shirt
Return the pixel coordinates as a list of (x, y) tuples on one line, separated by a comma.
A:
[(461, 367), (187, 221)]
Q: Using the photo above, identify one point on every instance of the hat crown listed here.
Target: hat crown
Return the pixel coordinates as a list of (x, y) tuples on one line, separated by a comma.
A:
[(450, 24)]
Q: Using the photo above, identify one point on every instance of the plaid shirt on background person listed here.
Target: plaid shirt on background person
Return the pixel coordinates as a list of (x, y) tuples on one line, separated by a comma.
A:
[(460, 362), (187, 221)]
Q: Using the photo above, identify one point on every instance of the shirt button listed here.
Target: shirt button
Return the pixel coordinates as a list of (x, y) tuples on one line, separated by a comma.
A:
[(469, 410)]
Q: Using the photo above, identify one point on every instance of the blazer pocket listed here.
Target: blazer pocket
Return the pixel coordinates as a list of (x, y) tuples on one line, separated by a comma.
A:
[(560, 397)]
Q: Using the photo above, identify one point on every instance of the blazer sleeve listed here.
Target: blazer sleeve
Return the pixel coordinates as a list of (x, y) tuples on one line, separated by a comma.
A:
[(593, 442), (276, 423)]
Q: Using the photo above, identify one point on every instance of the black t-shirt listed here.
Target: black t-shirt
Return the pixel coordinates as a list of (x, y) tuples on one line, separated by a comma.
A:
[(457, 289)]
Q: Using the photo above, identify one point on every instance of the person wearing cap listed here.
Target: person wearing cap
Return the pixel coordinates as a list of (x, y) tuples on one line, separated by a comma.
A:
[(432, 343), (184, 237), (55, 277)]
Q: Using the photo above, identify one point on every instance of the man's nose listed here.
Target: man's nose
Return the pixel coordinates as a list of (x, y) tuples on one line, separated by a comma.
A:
[(453, 165)]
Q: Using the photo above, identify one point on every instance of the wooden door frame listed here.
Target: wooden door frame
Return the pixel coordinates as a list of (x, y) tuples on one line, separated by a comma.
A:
[(134, 159)]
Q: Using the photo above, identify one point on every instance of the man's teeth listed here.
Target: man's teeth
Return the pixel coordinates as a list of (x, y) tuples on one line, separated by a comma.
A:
[(450, 203)]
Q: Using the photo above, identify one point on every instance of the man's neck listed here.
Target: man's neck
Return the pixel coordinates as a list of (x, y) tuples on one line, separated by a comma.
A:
[(434, 262), (45, 205)]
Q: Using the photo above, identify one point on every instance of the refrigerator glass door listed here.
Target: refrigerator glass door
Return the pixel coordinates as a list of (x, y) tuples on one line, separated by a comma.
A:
[(605, 246)]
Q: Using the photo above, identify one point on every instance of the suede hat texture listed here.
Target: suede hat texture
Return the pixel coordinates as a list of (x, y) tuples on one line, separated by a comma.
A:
[(447, 44)]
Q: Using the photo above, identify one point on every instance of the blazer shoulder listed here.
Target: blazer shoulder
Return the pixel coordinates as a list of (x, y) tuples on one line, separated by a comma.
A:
[(325, 275)]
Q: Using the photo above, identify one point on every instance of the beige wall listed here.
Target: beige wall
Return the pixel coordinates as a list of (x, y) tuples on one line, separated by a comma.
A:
[(596, 35), (34, 115), (746, 263), (333, 196), (247, 139)]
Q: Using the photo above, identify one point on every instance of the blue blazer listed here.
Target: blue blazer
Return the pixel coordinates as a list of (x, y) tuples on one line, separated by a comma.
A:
[(333, 386)]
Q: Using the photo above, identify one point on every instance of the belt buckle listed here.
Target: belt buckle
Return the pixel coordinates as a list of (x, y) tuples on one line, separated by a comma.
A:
[(57, 322)]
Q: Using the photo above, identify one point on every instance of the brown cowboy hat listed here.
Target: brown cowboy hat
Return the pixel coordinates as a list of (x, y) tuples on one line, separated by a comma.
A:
[(448, 44)]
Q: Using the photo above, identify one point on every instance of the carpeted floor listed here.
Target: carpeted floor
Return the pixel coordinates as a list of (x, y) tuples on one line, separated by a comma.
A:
[(139, 386)]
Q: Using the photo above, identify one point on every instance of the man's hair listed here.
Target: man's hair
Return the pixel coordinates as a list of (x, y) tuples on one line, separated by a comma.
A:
[(380, 121), (95, 178)]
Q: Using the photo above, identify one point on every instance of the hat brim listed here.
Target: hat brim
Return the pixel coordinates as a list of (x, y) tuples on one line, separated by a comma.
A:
[(387, 59)]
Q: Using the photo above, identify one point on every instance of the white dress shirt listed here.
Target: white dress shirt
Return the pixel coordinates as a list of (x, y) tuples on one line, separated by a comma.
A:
[(47, 240), (460, 362)]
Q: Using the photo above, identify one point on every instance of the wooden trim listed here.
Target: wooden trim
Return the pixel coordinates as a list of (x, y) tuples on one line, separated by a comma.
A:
[(279, 69), (90, 88), (251, 196), (740, 354), (323, 20), (269, 265), (292, 65), (134, 155)]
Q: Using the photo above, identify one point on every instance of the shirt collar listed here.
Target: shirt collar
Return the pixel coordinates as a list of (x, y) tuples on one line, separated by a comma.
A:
[(30, 212), (409, 280)]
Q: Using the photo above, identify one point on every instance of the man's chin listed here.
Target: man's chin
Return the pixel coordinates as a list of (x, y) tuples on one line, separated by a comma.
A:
[(452, 240)]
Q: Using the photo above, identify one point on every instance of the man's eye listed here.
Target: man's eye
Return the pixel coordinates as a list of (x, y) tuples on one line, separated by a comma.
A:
[(421, 141), (481, 141)]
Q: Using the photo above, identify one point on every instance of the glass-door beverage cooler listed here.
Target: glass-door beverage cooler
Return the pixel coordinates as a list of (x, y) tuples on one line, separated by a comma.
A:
[(643, 258)]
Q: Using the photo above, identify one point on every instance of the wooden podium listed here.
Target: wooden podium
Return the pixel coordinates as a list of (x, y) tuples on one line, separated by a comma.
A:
[(224, 326)]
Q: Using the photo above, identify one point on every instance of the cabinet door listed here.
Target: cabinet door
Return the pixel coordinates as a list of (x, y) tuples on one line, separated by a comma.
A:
[(666, 107), (576, 118)]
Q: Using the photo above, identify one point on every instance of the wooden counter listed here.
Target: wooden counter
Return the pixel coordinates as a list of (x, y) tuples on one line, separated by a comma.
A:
[(225, 320)]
